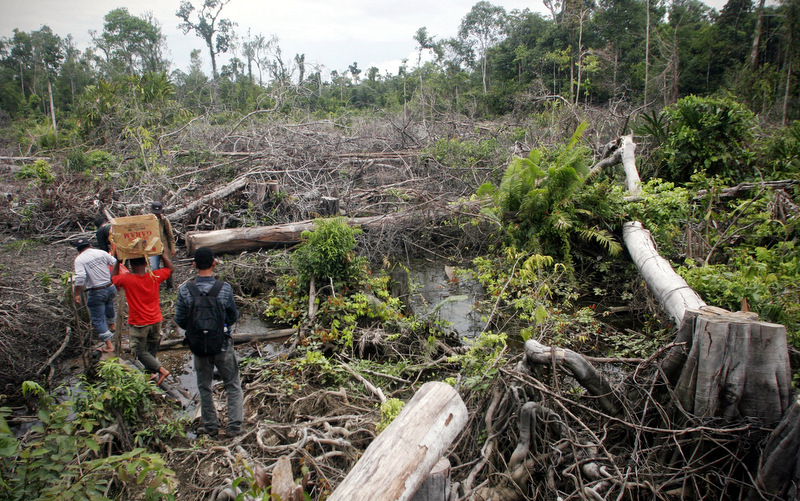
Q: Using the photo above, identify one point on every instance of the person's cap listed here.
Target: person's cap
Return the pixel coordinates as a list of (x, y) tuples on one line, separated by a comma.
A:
[(82, 243), (204, 258), (157, 207)]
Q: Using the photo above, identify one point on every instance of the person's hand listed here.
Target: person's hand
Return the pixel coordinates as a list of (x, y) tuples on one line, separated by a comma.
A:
[(78, 298)]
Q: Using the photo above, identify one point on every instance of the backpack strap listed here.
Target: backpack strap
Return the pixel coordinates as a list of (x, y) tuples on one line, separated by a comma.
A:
[(216, 288), (192, 288)]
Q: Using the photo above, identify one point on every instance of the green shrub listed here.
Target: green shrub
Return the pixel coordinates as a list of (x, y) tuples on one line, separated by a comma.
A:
[(538, 195), (709, 135), (40, 170), (328, 253), (62, 457)]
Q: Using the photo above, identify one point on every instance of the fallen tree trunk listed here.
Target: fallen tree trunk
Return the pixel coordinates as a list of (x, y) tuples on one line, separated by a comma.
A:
[(396, 464), (241, 239), (232, 187), (669, 288), (238, 338)]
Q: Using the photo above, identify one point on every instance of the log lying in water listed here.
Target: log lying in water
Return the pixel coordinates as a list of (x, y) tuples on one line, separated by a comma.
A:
[(396, 464)]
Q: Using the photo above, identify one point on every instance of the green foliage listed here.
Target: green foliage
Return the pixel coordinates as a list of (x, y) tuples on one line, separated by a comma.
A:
[(328, 253), (390, 409), (708, 135), (538, 194), (479, 364), (766, 277), (338, 314), (663, 209), (95, 161), (781, 153), (461, 153), (118, 391), (63, 457), (40, 170)]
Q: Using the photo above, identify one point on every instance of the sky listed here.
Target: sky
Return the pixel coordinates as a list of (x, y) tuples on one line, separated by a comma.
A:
[(331, 33)]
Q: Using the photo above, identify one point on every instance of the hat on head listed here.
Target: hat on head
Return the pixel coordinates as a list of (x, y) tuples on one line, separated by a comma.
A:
[(157, 207), (82, 243), (203, 258)]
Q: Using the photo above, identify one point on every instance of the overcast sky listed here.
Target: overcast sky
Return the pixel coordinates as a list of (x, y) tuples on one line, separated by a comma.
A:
[(333, 33)]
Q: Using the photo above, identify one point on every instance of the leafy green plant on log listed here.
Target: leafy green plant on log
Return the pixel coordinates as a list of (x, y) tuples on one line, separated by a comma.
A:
[(64, 456)]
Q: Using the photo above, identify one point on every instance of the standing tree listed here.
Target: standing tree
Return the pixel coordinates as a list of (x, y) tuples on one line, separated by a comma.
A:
[(481, 28), (216, 33), (131, 44)]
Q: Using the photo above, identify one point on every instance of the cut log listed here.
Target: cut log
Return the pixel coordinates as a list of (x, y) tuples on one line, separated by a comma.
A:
[(232, 187), (241, 239), (238, 338), (737, 367), (669, 288), (329, 206), (395, 464)]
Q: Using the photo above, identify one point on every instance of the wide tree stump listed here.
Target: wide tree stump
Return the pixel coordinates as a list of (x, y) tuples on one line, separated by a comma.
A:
[(396, 464), (736, 367)]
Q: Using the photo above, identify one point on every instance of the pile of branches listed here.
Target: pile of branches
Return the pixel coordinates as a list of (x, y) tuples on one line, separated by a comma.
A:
[(538, 434)]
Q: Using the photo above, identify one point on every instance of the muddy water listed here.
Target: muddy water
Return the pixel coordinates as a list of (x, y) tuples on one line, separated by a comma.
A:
[(435, 297)]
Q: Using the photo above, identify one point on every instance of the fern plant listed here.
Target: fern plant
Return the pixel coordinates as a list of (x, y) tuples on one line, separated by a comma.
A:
[(537, 196)]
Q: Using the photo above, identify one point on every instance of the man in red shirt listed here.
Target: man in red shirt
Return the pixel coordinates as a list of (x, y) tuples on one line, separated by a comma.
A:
[(144, 311)]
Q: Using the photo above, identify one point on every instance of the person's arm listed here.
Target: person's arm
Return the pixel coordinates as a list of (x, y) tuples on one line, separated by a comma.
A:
[(115, 269), (80, 279), (182, 309), (166, 260), (231, 312)]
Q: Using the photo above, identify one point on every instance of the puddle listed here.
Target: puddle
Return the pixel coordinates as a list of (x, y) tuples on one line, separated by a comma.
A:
[(435, 296)]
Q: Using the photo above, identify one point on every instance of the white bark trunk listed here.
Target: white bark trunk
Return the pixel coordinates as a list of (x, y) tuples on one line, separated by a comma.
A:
[(395, 464), (669, 288)]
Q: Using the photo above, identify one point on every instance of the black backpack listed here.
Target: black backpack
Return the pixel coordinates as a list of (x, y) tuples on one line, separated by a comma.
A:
[(205, 329)]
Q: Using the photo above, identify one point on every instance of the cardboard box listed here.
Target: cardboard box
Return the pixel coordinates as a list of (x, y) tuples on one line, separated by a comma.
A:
[(136, 236)]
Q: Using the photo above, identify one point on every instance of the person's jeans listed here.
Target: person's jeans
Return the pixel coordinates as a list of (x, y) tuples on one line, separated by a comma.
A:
[(155, 262), (144, 343), (228, 367), (101, 310)]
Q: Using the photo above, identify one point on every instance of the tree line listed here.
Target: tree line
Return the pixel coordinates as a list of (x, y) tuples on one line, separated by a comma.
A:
[(645, 53)]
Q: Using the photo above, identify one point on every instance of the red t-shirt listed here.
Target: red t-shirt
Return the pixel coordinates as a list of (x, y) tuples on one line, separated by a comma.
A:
[(141, 291)]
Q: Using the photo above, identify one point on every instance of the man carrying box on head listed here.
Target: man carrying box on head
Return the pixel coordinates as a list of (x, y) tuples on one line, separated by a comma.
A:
[(92, 274), (144, 311)]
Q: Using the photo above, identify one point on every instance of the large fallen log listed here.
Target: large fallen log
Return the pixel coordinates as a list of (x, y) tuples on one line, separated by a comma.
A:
[(241, 239), (669, 288), (238, 338), (396, 464)]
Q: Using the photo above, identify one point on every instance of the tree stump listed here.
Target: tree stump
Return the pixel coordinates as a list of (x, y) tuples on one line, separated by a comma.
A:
[(736, 367), (329, 206)]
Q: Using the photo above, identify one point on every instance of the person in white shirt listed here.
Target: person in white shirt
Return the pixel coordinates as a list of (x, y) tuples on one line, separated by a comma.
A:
[(92, 274)]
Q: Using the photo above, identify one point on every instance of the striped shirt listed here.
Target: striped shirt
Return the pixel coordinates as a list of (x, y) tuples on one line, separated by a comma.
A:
[(91, 268)]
